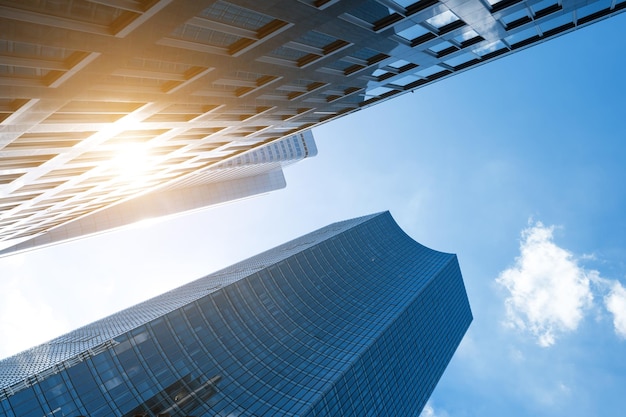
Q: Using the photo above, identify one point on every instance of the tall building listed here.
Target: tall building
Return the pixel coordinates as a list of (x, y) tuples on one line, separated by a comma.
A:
[(255, 172), (354, 319), (180, 86)]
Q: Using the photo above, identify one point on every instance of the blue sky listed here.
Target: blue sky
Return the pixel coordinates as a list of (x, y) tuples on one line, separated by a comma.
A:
[(516, 166)]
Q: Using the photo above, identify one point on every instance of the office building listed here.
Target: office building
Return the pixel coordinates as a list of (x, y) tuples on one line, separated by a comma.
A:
[(255, 172), (179, 86), (354, 319)]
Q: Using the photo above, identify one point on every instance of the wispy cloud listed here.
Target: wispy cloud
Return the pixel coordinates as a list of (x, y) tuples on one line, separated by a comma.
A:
[(548, 291), (429, 411), (615, 302)]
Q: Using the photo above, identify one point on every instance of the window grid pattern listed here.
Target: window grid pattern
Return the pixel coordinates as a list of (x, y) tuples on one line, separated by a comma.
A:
[(202, 35), (136, 87), (315, 39), (228, 13), (305, 335), (67, 347)]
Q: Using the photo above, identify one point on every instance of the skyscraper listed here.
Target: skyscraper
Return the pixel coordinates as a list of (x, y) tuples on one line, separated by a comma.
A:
[(194, 83), (353, 319), (255, 172)]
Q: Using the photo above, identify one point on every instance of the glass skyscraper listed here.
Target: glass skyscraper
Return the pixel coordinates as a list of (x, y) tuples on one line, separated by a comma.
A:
[(255, 172), (192, 85), (354, 319)]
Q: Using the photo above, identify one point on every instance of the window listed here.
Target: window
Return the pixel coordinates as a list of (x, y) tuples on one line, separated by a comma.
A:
[(443, 19), (378, 91), (406, 80), (465, 36), (522, 36), (518, 16), (315, 39), (427, 72), (370, 11), (460, 59), (489, 48), (399, 64), (441, 47), (233, 15), (413, 32)]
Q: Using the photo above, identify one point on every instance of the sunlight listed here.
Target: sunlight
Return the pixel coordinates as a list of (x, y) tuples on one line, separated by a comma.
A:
[(145, 223), (132, 162)]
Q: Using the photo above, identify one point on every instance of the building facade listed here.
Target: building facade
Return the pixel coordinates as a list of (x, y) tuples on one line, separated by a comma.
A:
[(354, 319), (255, 172), (196, 83)]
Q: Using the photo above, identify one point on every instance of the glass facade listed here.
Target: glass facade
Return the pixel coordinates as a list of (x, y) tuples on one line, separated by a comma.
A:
[(213, 90), (256, 172), (355, 319)]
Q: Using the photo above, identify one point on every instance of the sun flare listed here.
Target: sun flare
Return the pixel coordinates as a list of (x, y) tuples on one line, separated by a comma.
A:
[(131, 162)]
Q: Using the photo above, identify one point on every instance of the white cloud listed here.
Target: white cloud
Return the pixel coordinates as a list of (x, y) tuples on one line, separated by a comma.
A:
[(615, 302), (429, 411), (548, 291)]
